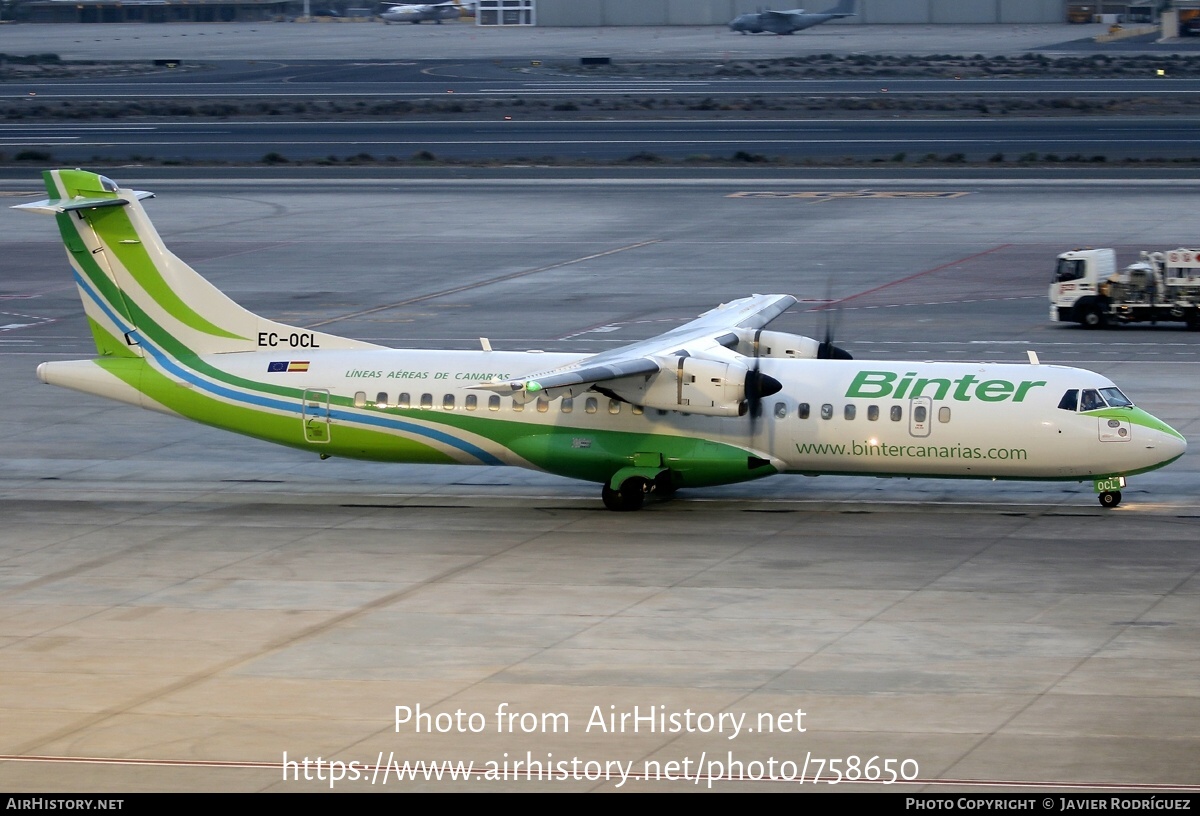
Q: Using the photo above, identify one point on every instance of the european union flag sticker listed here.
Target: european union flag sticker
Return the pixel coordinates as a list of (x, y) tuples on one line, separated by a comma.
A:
[(274, 367)]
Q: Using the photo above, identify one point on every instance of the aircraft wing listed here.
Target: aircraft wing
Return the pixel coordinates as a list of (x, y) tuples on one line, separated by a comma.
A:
[(783, 15), (709, 331)]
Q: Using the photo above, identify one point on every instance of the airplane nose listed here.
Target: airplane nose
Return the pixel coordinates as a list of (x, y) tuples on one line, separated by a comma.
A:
[(1163, 444), (1174, 446), (1167, 445)]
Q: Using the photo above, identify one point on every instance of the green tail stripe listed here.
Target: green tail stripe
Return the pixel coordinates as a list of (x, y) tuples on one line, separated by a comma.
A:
[(87, 264), (107, 344), (113, 226)]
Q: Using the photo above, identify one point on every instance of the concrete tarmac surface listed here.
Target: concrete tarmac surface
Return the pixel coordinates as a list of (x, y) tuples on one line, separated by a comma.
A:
[(186, 610)]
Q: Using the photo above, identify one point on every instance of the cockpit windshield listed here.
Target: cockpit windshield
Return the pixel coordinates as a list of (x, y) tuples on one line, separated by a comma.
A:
[(1115, 398), (1092, 399)]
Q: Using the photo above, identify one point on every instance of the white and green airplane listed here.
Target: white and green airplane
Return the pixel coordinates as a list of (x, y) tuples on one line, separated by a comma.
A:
[(716, 401)]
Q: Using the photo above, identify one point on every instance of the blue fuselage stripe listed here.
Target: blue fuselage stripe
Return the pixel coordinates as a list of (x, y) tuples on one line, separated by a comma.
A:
[(169, 364)]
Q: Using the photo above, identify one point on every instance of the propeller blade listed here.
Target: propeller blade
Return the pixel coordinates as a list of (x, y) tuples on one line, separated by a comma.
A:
[(828, 351), (833, 312)]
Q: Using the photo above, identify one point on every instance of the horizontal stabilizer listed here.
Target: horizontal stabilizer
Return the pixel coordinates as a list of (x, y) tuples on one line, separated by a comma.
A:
[(53, 206)]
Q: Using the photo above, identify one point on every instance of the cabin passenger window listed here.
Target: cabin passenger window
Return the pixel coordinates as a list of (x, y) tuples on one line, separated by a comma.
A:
[(614, 406), (1070, 400), (780, 410), (849, 411), (638, 410), (827, 411), (448, 402), (494, 402), (381, 399), (404, 400), (590, 405), (944, 414), (872, 413), (543, 405), (360, 399), (517, 406), (920, 413), (803, 412), (1091, 400), (566, 405), (427, 400), (897, 413), (471, 402)]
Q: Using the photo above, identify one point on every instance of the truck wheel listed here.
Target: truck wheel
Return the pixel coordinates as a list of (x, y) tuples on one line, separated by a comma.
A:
[(1193, 320), (1093, 318)]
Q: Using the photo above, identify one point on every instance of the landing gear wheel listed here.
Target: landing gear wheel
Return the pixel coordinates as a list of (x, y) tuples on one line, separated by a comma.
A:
[(1110, 498), (664, 485), (630, 496), (1093, 318)]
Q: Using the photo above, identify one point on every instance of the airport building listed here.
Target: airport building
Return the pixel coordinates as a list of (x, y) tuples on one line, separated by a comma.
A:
[(583, 13), (869, 12)]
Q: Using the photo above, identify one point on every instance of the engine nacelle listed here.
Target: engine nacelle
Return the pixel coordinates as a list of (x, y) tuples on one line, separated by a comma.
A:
[(691, 384), (780, 345), (771, 344)]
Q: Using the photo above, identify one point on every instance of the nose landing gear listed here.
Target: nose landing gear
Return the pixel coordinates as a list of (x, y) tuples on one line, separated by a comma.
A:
[(1108, 490)]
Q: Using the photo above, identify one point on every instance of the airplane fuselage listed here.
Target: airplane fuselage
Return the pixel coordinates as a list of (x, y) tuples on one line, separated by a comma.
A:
[(971, 420), (421, 13), (776, 24)]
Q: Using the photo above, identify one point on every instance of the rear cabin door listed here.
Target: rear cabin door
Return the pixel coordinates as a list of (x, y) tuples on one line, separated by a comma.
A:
[(314, 414)]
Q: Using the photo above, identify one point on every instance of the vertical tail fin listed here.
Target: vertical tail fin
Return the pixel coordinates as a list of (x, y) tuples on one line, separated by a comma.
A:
[(135, 290)]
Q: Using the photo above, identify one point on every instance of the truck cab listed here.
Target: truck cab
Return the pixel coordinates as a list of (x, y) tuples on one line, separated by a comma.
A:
[(1074, 292), (1159, 287)]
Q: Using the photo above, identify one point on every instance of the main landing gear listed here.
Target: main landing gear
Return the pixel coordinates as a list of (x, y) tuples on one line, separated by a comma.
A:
[(631, 495), (1110, 498)]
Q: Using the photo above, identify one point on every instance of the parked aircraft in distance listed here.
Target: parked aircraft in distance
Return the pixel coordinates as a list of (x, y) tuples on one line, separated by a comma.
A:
[(788, 22), (420, 12), (715, 401)]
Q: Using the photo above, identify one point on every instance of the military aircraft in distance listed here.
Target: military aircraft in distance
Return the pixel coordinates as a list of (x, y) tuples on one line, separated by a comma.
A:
[(420, 12), (788, 22), (715, 401)]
